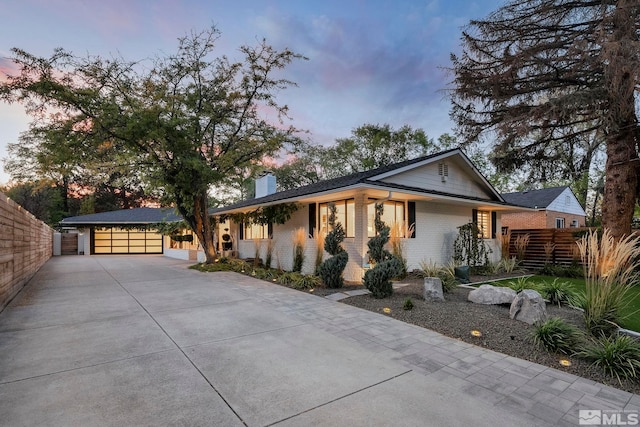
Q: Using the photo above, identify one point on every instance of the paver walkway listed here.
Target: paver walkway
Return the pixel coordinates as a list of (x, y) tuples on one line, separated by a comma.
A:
[(112, 340)]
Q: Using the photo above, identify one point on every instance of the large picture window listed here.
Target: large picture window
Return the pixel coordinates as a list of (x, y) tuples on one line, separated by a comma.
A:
[(345, 215), (255, 231), (394, 213)]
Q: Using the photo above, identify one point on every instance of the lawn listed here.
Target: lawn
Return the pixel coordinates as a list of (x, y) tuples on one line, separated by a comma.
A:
[(632, 311)]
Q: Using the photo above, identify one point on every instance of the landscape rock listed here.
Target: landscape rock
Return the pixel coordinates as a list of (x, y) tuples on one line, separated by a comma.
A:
[(487, 294), (529, 307), (433, 289)]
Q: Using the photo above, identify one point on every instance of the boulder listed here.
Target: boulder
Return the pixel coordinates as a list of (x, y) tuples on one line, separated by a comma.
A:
[(529, 307), (487, 294), (433, 289)]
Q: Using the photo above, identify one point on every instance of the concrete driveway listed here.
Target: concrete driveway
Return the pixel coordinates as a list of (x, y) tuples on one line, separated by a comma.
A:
[(144, 341)]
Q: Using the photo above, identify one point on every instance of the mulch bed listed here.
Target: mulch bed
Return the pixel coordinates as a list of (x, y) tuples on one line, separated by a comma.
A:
[(457, 317)]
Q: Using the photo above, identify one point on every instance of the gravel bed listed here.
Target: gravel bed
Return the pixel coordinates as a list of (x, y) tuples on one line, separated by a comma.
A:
[(457, 317)]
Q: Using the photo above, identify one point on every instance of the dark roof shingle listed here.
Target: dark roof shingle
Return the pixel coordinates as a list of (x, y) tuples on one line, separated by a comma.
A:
[(125, 216), (330, 184), (537, 199)]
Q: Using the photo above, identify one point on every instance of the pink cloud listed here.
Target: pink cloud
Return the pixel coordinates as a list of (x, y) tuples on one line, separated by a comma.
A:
[(7, 68)]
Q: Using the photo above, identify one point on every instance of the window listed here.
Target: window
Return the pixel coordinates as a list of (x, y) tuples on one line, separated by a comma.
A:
[(559, 222), (393, 214), (255, 231), (484, 224), (345, 215)]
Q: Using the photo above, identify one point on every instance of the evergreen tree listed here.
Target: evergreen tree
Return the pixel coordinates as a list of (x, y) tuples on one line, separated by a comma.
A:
[(386, 266)]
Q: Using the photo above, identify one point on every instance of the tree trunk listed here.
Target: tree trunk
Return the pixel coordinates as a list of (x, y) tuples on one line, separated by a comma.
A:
[(203, 223), (620, 188), (200, 223), (619, 199)]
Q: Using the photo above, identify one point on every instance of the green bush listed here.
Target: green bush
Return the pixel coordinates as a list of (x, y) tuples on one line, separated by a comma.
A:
[(617, 355), (601, 312), (522, 283), (386, 266), (557, 292), (330, 271), (377, 280), (573, 271), (306, 282), (239, 265), (288, 278), (445, 273), (260, 273), (408, 304), (556, 336), (210, 268)]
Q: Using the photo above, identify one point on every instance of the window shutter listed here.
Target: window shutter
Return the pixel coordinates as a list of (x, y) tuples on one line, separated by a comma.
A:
[(241, 230), (411, 218), (474, 216), (269, 230), (494, 217), (312, 219)]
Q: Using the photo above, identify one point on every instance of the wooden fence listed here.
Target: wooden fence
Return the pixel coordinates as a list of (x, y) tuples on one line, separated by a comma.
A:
[(26, 243), (548, 246)]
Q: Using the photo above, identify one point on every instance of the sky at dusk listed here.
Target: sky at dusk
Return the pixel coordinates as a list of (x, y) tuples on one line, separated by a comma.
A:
[(369, 61)]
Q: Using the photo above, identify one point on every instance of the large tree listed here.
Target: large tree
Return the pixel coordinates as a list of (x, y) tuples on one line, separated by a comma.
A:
[(78, 171), (370, 146), (540, 76), (190, 120)]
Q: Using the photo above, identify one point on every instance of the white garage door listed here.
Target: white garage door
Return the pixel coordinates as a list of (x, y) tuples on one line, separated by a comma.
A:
[(113, 240)]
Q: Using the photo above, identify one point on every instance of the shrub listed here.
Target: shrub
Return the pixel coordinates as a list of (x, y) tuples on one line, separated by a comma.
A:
[(573, 271), (398, 232), (509, 265), (288, 278), (505, 242), (331, 269), (428, 268), (268, 257), (299, 245), (556, 336), (609, 274), (306, 282), (209, 268), (257, 244), (318, 238), (557, 292), (446, 274), (408, 304), (617, 355), (238, 265), (385, 265), (260, 273), (521, 243), (522, 283)]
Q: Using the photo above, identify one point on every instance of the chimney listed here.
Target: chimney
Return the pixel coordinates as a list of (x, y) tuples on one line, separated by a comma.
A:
[(265, 184)]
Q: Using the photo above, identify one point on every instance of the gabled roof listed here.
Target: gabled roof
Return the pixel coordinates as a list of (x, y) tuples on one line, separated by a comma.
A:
[(536, 199), (124, 217), (370, 177)]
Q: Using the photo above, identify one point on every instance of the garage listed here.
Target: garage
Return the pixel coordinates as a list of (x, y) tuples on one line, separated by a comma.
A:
[(123, 232), (116, 240)]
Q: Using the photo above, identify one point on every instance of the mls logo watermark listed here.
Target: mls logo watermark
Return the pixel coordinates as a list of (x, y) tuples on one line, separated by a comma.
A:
[(597, 417)]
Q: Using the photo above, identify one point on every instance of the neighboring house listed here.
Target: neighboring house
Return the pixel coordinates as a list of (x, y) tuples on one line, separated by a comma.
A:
[(123, 231), (555, 207), (436, 194)]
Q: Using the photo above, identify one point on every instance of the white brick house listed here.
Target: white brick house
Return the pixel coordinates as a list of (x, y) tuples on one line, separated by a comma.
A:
[(435, 193)]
